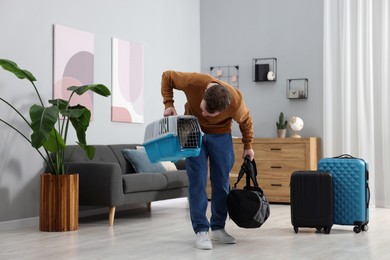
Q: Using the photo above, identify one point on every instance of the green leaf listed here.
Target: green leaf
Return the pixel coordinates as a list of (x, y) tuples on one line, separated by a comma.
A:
[(97, 88), (89, 150), (74, 111), (43, 120), (55, 142), (60, 103), (18, 72), (80, 121)]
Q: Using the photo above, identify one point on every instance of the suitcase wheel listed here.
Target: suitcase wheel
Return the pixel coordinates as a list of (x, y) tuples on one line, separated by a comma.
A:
[(357, 229), (296, 229), (327, 230), (365, 227)]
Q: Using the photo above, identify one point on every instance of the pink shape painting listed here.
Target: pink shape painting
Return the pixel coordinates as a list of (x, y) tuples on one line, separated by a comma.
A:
[(127, 81), (73, 64)]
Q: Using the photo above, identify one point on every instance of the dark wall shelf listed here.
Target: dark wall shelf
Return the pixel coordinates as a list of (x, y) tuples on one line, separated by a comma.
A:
[(264, 69)]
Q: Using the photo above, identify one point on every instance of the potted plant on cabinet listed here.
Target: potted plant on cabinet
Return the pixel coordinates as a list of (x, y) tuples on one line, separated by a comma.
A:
[(50, 124), (281, 126)]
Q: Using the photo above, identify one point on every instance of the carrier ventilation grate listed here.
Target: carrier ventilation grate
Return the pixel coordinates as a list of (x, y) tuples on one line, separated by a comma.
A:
[(188, 132)]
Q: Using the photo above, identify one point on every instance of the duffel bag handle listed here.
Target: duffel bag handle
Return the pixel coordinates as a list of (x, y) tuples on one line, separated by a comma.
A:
[(248, 167), (251, 174)]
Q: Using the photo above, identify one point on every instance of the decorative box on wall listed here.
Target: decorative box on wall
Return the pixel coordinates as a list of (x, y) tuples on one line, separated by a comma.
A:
[(264, 69), (276, 160), (228, 74), (297, 88)]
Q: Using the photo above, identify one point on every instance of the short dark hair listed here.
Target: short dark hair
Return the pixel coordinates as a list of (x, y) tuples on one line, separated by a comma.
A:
[(217, 98)]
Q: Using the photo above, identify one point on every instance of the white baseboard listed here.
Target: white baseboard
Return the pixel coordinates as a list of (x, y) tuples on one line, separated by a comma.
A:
[(19, 223), (84, 212)]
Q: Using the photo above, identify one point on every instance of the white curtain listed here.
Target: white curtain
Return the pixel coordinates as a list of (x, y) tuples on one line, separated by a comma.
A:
[(356, 87)]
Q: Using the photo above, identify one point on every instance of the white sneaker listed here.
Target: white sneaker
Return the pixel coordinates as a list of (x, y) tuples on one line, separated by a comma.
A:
[(222, 236), (203, 241)]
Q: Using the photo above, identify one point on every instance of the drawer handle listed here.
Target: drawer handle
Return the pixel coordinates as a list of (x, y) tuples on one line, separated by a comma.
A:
[(277, 185), (276, 149), (276, 167)]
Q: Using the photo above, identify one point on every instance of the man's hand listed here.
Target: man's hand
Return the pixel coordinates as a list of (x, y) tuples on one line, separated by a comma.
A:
[(249, 153), (170, 111)]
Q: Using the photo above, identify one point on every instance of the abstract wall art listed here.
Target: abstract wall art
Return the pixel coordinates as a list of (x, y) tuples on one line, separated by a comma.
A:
[(73, 64), (127, 81)]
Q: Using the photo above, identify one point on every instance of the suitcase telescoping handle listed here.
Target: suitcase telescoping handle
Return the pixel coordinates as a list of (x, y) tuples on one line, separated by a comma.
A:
[(346, 156)]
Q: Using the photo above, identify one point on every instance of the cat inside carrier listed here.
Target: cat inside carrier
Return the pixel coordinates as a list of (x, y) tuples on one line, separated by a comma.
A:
[(172, 138)]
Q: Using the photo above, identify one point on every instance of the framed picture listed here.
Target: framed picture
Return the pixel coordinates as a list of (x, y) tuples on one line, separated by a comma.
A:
[(297, 88), (127, 81), (73, 64)]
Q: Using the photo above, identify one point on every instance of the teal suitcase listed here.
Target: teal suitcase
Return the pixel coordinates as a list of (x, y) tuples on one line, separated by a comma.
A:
[(351, 190)]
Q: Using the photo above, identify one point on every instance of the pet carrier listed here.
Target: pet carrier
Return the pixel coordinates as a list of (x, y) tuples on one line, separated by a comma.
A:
[(172, 138)]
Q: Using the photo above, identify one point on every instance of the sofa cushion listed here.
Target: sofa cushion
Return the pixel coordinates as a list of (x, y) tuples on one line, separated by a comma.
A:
[(176, 179), (140, 162), (144, 182), (117, 150), (169, 166)]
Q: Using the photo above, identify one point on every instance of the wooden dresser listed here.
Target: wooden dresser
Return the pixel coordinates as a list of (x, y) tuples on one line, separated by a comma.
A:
[(276, 160)]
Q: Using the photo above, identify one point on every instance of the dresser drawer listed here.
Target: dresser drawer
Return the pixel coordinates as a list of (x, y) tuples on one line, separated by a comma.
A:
[(278, 151), (275, 190), (274, 182), (277, 167)]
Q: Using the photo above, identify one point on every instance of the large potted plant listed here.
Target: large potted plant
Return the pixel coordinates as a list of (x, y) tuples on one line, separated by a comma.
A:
[(50, 126)]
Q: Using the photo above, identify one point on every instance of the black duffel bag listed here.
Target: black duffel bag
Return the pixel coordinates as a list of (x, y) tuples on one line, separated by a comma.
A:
[(248, 208)]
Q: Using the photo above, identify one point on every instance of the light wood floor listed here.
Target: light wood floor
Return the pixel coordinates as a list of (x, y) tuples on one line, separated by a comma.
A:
[(166, 233)]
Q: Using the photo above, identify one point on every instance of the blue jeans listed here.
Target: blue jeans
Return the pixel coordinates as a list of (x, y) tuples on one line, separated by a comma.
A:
[(218, 148)]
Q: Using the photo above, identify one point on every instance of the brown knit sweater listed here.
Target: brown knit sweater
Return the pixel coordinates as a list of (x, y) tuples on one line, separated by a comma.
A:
[(194, 86)]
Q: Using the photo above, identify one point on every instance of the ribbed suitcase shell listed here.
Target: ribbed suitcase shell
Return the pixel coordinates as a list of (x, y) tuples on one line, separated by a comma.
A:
[(311, 200), (351, 191)]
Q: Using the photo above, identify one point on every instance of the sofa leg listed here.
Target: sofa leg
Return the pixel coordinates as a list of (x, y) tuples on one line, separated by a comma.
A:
[(149, 206), (111, 216)]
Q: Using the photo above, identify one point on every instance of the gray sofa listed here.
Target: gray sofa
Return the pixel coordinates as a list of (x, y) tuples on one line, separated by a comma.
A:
[(109, 180)]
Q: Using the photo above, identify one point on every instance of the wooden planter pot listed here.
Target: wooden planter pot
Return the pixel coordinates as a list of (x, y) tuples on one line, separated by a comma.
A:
[(59, 202)]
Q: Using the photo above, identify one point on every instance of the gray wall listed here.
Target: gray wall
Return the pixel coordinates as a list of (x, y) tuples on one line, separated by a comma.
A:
[(234, 32), (177, 34), (169, 30)]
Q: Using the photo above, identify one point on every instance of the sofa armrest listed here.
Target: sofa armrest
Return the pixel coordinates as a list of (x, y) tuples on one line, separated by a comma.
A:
[(100, 183)]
